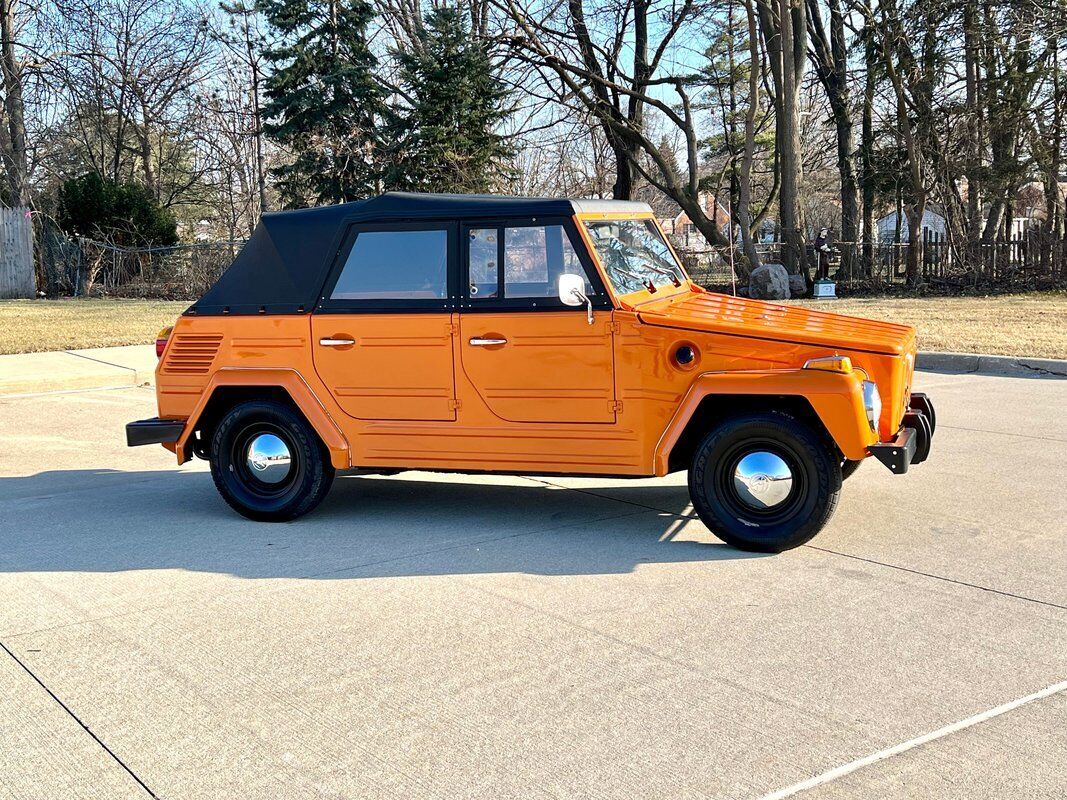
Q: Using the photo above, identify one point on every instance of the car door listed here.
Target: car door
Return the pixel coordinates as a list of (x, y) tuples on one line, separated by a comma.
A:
[(382, 332), (530, 357)]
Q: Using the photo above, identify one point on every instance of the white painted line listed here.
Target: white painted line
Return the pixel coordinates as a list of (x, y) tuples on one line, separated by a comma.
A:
[(845, 769)]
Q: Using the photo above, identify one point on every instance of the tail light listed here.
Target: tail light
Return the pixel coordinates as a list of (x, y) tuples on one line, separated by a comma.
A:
[(161, 340)]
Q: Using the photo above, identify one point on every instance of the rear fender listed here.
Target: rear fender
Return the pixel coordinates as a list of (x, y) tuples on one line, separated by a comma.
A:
[(301, 394), (836, 398)]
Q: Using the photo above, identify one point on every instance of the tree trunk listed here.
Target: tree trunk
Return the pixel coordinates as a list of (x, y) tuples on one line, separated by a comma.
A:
[(257, 124), (784, 41), (14, 110), (867, 158), (744, 204), (974, 120), (831, 60)]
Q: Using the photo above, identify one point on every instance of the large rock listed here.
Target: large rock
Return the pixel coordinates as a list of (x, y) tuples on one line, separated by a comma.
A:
[(769, 282), (798, 286)]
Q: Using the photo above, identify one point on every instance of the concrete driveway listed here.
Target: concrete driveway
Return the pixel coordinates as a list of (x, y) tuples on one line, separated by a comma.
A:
[(452, 637)]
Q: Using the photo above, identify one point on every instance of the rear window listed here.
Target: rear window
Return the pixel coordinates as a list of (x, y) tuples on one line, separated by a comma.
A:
[(395, 265)]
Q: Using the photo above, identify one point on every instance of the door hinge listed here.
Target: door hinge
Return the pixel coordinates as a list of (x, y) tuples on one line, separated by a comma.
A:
[(453, 329), (616, 406), (454, 404), (614, 327)]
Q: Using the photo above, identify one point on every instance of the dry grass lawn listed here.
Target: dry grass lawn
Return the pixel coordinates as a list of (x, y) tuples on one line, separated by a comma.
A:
[(33, 326), (1025, 324), (1013, 325)]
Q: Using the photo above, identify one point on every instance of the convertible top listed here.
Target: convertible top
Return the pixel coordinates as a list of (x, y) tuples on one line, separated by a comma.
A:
[(284, 264)]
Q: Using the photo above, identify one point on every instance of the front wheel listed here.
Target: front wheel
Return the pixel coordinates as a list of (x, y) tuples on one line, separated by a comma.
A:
[(268, 462), (765, 482)]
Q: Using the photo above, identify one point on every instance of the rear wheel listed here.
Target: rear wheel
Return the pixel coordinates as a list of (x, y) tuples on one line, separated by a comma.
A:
[(765, 482), (268, 463)]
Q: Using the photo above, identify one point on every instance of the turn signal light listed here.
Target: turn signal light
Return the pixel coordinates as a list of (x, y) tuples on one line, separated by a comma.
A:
[(161, 340), (842, 364)]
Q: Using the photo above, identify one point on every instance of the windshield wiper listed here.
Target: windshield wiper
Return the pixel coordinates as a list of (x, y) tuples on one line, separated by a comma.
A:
[(668, 272), (646, 282)]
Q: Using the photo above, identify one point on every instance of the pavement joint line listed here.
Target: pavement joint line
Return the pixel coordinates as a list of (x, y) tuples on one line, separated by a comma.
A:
[(903, 747), (1005, 433), (650, 652), (1001, 592), (688, 517), (100, 361), (75, 717)]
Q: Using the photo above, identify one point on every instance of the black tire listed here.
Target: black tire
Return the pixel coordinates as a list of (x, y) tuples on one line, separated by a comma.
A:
[(849, 467), (303, 487), (816, 482)]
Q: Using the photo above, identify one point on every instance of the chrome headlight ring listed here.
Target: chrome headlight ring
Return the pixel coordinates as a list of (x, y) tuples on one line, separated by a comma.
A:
[(872, 403)]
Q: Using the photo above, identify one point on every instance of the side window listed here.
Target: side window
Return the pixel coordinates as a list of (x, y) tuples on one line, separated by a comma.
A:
[(395, 265), (484, 269), (535, 257)]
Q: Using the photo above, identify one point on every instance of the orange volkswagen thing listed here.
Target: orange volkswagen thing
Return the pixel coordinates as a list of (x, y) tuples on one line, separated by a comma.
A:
[(514, 335)]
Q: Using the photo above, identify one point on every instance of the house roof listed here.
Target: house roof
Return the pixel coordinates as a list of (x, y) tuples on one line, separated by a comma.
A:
[(285, 262)]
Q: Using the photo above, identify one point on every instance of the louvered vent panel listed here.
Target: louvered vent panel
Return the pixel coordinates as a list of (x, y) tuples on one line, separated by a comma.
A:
[(192, 353)]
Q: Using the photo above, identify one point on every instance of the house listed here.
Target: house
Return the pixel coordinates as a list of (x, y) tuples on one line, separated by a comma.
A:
[(685, 233), (934, 224)]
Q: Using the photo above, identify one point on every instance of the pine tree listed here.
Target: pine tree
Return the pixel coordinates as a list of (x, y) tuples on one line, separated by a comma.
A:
[(447, 139), (324, 103)]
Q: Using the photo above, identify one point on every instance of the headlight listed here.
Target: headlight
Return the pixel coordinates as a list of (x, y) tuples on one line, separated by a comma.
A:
[(872, 403)]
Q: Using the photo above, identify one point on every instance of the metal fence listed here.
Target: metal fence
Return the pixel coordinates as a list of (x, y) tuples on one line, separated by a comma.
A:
[(1035, 260), (78, 266)]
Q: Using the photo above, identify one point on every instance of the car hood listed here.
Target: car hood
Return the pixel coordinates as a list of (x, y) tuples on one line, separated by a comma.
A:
[(738, 316)]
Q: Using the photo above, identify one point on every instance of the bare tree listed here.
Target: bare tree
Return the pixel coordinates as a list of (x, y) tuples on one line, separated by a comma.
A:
[(127, 68), (829, 55), (744, 204), (784, 30), (619, 81), (16, 162)]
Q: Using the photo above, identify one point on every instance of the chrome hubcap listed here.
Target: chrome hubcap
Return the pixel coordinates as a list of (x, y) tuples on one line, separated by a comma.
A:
[(269, 458), (762, 480)]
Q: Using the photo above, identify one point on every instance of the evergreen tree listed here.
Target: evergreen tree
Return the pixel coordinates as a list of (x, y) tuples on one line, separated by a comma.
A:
[(447, 139), (324, 102), (123, 214)]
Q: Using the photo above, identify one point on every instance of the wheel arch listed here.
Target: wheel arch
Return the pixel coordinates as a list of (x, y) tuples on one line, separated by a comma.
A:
[(829, 402), (231, 386)]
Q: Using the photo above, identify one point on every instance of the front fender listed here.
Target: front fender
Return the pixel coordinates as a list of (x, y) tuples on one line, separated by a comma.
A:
[(837, 399), (294, 384)]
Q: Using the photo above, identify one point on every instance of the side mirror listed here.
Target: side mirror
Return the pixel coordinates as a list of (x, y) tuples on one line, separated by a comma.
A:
[(572, 293)]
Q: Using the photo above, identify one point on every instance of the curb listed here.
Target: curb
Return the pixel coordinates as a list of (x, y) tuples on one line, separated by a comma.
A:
[(76, 370), (984, 364)]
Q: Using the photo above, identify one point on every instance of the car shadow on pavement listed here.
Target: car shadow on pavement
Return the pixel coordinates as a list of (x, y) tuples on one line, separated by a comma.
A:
[(108, 521)]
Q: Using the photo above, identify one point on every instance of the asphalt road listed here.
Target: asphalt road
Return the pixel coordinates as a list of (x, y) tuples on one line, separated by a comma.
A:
[(451, 637)]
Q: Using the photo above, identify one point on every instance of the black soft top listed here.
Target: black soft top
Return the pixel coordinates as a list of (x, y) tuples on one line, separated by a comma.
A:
[(282, 267)]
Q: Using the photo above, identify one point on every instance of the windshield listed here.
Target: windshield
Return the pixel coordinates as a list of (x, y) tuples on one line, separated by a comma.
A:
[(634, 254)]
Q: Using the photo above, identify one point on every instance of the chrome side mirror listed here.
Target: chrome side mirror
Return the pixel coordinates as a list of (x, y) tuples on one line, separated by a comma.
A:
[(572, 293)]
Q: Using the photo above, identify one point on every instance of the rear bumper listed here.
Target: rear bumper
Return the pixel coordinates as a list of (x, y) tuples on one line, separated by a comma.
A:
[(912, 442), (153, 431)]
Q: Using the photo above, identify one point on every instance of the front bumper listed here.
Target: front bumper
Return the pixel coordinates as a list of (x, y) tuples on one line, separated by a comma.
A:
[(912, 442), (153, 431)]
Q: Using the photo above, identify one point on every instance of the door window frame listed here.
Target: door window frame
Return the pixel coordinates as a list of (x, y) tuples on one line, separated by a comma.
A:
[(467, 303), (382, 304)]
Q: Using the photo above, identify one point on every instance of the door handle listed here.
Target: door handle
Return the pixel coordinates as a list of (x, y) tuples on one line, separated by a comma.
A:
[(336, 342), (487, 342)]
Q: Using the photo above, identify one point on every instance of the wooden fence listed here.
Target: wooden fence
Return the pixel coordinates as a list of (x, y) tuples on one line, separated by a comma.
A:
[(16, 254)]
